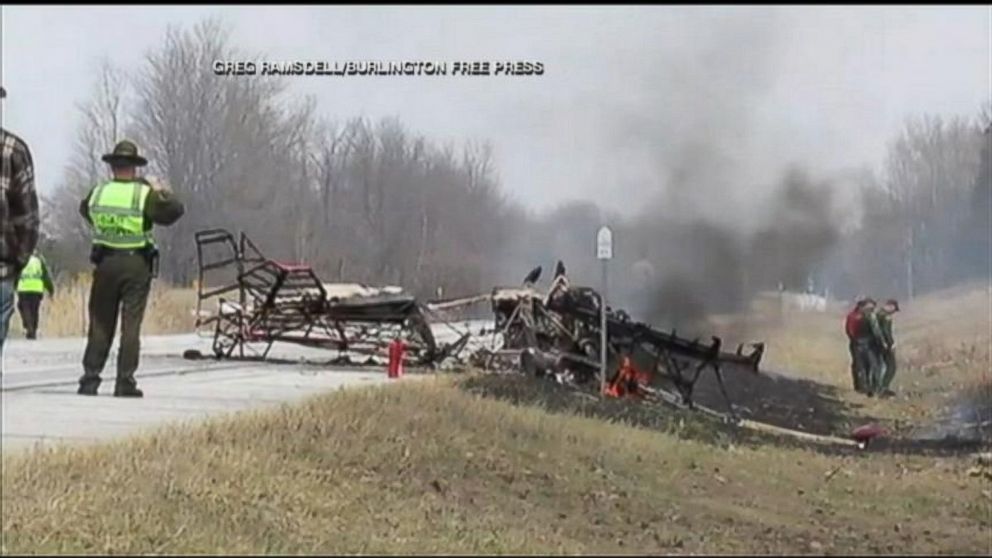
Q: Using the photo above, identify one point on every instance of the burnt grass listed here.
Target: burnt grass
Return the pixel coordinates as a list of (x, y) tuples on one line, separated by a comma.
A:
[(774, 399), (652, 415), (782, 400)]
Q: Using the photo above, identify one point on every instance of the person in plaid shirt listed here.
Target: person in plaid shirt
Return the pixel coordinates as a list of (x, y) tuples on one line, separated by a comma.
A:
[(19, 219)]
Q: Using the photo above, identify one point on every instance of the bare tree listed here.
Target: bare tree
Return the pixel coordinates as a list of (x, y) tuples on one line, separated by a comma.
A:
[(930, 172), (221, 143), (103, 119)]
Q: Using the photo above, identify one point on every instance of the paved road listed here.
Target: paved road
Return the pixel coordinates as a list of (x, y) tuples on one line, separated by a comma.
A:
[(40, 405), (39, 380)]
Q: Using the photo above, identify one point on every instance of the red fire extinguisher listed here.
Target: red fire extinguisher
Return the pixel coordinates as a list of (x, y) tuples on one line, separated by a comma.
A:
[(396, 349)]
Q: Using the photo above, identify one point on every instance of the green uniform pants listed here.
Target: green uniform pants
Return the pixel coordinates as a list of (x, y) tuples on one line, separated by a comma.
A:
[(889, 357), (877, 368), (871, 365), (857, 367), (121, 283)]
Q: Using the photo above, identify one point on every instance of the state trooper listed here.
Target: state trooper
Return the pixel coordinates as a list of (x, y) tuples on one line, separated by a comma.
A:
[(121, 214)]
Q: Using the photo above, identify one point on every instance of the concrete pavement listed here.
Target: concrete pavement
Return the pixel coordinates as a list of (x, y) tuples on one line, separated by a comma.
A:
[(39, 380), (40, 404)]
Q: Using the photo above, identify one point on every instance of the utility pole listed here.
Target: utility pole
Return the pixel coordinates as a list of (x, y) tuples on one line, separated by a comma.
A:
[(604, 252), (909, 264)]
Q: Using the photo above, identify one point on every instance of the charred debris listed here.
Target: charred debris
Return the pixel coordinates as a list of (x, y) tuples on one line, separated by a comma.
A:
[(247, 302)]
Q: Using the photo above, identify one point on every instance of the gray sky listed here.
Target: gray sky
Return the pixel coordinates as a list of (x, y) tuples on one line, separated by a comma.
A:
[(625, 89)]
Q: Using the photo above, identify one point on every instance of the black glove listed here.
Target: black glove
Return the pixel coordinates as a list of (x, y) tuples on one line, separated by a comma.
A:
[(22, 262)]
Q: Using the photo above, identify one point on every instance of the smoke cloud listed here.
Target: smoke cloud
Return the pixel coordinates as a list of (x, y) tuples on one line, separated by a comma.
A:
[(717, 209), (710, 267)]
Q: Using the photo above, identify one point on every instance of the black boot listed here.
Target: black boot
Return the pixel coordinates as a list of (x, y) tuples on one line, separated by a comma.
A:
[(88, 388), (127, 389), (89, 382), (32, 335)]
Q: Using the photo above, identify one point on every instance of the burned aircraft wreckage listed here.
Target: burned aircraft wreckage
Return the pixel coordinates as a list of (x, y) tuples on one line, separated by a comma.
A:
[(260, 301), (558, 335)]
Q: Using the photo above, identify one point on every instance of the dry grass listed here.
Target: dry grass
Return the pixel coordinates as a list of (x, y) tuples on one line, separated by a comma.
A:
[(428, 468), (64, 315)]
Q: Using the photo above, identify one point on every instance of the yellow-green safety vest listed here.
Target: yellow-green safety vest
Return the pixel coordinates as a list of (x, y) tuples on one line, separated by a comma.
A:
[(117, 211), (32, 276)]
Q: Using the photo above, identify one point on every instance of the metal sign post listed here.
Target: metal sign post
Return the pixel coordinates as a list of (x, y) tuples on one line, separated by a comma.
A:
[(604, 252)]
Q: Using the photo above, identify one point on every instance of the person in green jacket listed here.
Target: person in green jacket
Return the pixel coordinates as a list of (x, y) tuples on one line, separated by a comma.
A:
[(888, 345), (871, 345), (32, 285)]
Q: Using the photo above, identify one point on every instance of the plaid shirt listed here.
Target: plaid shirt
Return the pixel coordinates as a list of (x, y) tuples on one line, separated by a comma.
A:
[(19, 217)]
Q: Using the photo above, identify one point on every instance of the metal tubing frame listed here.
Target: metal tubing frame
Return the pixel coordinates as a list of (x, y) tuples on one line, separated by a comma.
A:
[(260, 315)]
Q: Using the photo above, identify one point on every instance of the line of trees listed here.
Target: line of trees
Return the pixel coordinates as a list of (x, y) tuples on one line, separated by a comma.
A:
[(926, 216), (361, 200), (373, 201)]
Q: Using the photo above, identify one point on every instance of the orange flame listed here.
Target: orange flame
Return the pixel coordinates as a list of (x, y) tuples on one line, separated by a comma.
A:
[(627, 381)]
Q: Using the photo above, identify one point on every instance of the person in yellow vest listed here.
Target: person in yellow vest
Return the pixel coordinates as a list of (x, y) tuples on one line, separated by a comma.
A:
[(31, 287), (121, 214)]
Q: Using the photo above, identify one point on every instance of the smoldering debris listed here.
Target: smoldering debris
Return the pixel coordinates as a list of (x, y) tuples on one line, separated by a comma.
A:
[(969, 418)]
